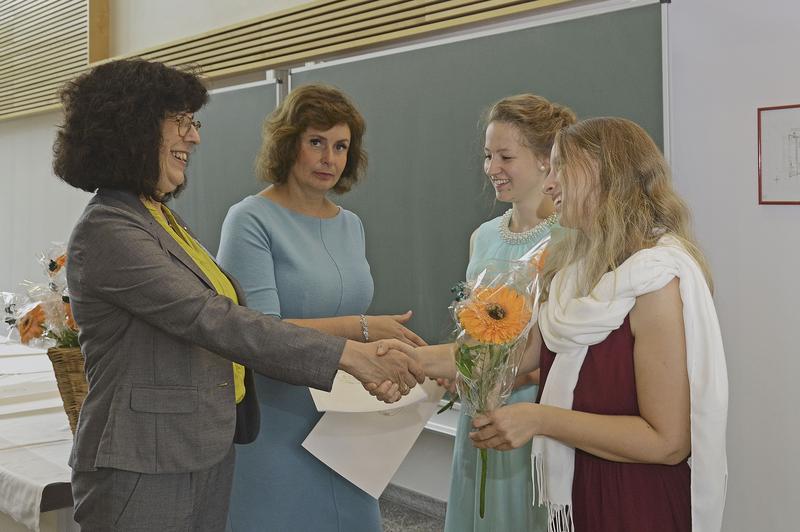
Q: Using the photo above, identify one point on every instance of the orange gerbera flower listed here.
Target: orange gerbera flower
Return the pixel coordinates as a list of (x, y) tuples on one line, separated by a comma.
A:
[(495, 315), (70, 318), (56, 264), (31, 325)]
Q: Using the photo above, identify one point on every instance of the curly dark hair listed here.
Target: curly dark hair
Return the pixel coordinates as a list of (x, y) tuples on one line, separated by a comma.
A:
[(320, 107), (112, 123)]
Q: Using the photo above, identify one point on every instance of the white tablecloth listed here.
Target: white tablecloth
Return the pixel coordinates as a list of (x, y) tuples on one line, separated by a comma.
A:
[(35, 439)]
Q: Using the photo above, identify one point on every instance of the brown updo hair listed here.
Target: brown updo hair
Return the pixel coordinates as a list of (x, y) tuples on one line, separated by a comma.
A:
[(536, 118), (320, 107)]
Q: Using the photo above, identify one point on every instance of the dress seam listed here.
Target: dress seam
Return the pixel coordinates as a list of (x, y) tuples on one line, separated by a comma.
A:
[(336, 265)]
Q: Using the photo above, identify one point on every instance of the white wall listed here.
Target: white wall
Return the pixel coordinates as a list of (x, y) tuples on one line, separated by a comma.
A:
[(35, 207), (727, 58), (138, 24)]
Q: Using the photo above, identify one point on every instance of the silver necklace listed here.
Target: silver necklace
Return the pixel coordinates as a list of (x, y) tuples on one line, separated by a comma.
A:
[(526, 237)]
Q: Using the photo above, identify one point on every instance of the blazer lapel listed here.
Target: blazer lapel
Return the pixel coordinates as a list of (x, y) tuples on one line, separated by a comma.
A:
[(177, 251), (132, 202), (236, 286)]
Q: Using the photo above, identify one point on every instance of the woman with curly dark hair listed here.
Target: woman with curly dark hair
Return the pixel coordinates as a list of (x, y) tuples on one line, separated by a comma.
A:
[(164, 331), (287, 243)]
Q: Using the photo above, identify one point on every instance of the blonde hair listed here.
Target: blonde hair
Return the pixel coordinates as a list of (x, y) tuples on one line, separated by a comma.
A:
[(537, 119), (630, 205)]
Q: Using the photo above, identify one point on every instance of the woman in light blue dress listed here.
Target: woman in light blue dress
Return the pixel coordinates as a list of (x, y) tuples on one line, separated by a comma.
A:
[(519, 135), (300, 257)]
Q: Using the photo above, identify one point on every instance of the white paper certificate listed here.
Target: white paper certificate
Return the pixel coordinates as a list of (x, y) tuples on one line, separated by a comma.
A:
[(348, 395), (367, 448)]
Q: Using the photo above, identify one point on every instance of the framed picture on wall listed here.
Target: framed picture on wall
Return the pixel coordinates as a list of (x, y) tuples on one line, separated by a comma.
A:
[(779, 155)]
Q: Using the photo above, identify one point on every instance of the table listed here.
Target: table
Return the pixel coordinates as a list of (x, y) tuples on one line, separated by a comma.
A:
[(35, 442)]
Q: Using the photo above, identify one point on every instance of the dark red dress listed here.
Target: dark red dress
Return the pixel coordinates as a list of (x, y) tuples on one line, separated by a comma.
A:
[(613, 496)]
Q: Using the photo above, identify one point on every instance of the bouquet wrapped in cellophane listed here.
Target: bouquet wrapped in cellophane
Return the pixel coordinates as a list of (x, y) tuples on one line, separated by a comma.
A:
[(42, 316), (494, 313)]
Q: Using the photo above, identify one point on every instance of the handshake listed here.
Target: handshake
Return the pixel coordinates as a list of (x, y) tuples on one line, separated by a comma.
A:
[(398, 361), (388, 369)]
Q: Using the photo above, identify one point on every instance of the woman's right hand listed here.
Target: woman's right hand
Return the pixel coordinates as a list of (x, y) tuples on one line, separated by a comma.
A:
[(389, 362), (509, 427), (437, 362), (391, 326)]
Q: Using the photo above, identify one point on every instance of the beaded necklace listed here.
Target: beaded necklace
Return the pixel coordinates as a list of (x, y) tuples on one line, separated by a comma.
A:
[(526, 237)]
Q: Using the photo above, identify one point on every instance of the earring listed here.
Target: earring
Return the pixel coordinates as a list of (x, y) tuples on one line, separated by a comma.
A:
[(542, 168)]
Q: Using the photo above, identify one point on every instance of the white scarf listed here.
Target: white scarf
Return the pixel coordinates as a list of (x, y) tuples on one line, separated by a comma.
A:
[(569, 329)]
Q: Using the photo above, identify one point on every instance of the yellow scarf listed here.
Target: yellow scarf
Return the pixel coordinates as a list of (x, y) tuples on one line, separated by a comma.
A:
[(201, 257)]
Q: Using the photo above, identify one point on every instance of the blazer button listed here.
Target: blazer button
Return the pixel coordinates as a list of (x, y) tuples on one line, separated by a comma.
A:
[(223, 384)]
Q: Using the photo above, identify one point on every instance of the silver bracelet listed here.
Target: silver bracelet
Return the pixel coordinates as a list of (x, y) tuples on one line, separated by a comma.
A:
[(364, 328)]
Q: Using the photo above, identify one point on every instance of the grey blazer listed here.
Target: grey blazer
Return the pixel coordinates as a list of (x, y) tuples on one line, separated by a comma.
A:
[(158, 343)]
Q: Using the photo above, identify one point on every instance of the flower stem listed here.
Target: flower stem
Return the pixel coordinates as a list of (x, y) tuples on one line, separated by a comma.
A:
[(448, 406), (484, 458)]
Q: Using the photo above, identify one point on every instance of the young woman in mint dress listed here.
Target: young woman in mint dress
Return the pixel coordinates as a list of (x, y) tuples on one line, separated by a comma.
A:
[(301, 257), (519, 135)]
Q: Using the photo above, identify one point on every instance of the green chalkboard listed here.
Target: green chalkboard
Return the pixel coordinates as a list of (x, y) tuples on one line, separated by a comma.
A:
[(425, 192)]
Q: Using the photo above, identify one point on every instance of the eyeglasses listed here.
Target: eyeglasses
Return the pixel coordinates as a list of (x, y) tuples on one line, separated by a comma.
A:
[(185, 123)]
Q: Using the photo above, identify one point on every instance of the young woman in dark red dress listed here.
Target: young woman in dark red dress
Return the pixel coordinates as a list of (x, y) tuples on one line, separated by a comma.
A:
[(630, 432)]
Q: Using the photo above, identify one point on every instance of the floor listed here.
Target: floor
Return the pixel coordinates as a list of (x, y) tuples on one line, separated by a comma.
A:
[(406, 511), (400, 518)]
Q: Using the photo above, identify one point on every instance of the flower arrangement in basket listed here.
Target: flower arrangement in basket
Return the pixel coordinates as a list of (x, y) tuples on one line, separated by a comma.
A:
[(493, 316), (43, 317)]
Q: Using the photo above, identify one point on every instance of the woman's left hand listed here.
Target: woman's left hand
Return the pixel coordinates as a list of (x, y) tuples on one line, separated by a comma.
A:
[(506, 428), (391, 326)]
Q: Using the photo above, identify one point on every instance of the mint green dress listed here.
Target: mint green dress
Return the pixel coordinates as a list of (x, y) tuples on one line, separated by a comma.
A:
[(509, 488)]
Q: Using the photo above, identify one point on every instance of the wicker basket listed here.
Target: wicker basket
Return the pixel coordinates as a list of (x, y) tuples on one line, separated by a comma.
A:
[(71, 380)]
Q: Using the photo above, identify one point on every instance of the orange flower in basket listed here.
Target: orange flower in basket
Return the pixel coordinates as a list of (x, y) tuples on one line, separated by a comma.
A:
[(495, 315), (31, 325), (70, 318), (56, 264)]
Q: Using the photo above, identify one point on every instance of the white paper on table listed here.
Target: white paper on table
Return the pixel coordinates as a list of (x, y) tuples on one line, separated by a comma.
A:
[(367, 448), (348, 395), (16, 365), (37, 404), (14, 349), (21, 387), (34, 428), (24, 393)]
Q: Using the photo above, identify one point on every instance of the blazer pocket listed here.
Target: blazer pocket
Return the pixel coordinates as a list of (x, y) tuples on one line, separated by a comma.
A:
[(164, 399)]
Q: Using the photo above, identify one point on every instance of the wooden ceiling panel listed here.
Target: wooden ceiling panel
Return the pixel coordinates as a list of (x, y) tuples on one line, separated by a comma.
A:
[(45, 43)]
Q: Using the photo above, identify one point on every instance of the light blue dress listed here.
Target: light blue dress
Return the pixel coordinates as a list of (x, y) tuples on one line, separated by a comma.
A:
[(509, 488), (294, 266)]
